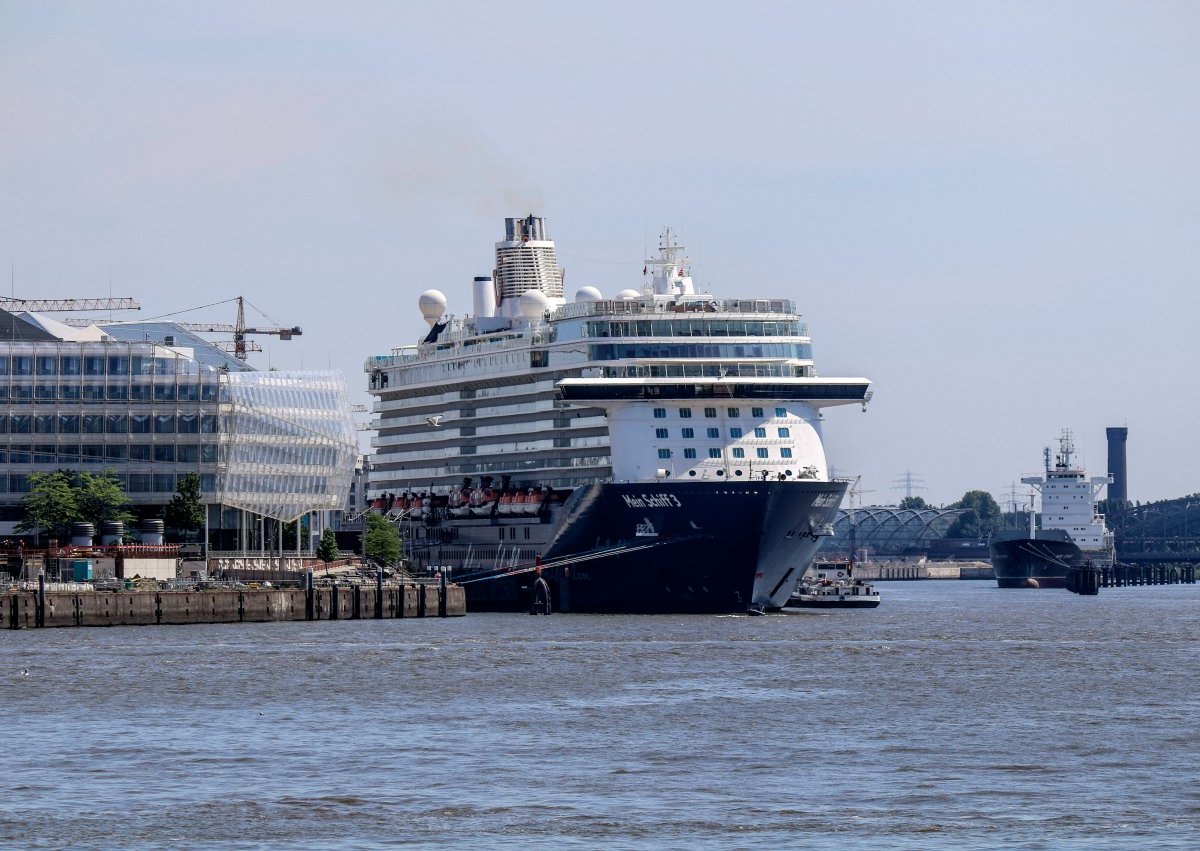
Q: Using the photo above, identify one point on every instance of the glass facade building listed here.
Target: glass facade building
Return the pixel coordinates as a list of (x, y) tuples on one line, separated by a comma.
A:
[(278, 444)]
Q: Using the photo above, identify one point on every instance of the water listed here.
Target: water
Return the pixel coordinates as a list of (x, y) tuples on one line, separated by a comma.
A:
[(956, 715)]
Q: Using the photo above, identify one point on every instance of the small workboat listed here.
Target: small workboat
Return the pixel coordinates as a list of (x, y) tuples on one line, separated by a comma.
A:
[(833, 590)]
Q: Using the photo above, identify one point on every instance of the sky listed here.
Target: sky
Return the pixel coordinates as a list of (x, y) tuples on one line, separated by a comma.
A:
[(991, 210)]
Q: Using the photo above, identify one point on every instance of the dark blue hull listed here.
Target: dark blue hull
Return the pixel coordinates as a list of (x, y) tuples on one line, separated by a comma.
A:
[(646, 548), (1033, 562)]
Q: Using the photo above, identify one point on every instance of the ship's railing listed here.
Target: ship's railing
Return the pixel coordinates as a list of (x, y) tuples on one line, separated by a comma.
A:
[(684, 304)]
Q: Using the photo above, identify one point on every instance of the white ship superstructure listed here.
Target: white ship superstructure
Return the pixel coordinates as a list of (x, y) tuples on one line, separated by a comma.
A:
[(659, 384), (1069, 500)]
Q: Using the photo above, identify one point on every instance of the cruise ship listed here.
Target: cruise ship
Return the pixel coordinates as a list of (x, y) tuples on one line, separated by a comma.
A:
[(1070, 533), (655, 451)]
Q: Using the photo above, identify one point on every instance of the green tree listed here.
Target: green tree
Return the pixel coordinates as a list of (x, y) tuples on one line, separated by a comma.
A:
[(101, 498), (981, 518), (327, 547), (51, 505), (383, 540), (289, 535), (913, 502), (185, 511)]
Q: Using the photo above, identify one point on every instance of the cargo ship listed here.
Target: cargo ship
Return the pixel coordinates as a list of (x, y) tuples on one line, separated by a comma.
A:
[(1068, 533), (655, 451)]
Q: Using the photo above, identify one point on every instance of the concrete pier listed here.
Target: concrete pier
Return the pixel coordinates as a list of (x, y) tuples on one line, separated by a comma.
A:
[(34, 609)]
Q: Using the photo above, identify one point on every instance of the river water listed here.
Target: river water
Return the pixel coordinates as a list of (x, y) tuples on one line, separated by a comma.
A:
[(956, 715)]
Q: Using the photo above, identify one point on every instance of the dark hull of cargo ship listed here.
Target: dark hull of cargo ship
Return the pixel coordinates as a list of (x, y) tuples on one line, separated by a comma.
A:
[(1022, 562), (643, 548)]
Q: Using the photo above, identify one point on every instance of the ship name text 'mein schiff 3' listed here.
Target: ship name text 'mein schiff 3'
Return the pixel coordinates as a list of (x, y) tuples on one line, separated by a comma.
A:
[(658, 451)]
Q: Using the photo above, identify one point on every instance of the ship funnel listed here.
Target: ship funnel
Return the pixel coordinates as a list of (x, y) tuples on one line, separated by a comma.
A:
[(485, 295), (1118, 488)]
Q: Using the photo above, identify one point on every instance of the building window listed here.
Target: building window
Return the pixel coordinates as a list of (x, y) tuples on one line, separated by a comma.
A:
[(187, 454), (664, 453), (164, 424), (714, 433), (140, 452), (189, 424), (93, 424), (68, 424), (165, 452), (47, 365), (660, 433), (734, 412), (738, 452), (761, 452), (760, 432), (785, 432), (660, 413), (116, 424), (688, 433), (139, 482), (685, 413), (164, 482), (735, 433), (93, 365), (714, 453), (781, 412), (115, 452), (785, 452), (756, 412), (689, 453), (710, 413)]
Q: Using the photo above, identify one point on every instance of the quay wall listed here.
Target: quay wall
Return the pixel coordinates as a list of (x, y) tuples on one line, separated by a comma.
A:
[(23, 609), (885, 570)]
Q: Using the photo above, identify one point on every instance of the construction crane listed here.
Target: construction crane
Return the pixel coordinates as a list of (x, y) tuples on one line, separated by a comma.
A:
[(53, 305), (239, 331)]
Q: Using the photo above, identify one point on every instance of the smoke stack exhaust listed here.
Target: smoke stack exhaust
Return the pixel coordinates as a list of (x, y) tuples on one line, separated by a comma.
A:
[(1118, 489)]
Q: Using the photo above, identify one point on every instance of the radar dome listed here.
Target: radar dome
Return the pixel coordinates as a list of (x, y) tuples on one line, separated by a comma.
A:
[(628, 295), (588, 294), (533, 304), (433, 306)]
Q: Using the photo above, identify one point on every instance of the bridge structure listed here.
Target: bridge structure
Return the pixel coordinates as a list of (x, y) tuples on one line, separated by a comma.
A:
[(1163, 532)]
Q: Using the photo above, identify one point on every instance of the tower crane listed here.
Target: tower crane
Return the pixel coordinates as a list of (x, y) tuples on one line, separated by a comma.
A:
[(240, 330), (50, 305)]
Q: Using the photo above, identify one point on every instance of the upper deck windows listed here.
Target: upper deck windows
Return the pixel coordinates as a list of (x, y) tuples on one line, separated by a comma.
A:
[(692, 351), (697, 327)]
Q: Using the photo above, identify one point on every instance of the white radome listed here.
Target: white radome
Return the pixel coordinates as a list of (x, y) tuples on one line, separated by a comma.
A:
[(534, 303), (433, 306), (628, 295), (589, 294)]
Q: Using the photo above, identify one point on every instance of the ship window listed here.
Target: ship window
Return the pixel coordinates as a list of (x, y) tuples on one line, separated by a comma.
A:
[(761, 451), (685, 413), (660, 433), (689, 453), (539, 359), (734, 412), (714, 433), (760, 432), (738, 452), (735, 433), (710, 413), (785, 452), (527, 533), (660, 413), (785, 432), (781, 412), (664, 453), (688, 433), (714, 453), (756, 412)]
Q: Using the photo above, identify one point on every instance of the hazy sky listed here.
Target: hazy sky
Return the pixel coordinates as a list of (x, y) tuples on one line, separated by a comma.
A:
[(992, 210)]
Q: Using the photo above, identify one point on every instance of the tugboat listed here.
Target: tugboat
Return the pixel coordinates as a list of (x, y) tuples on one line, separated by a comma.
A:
[(1070, 533), (836, 591)]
